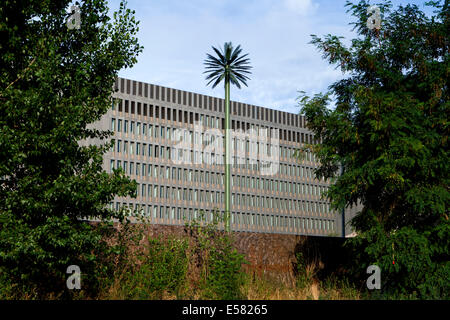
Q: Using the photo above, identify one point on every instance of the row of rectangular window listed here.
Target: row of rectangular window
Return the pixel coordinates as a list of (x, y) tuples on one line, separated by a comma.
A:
[(189, 117), (211, 196), (209, 103), (155, 131), (198, 157), (237, 218), (191, 175), (189, 156)]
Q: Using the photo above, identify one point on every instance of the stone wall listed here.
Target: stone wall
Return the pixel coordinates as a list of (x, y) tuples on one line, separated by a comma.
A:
[(273, 255)]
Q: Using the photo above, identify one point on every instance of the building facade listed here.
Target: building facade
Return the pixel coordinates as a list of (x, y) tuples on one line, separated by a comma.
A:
[(170, 142)]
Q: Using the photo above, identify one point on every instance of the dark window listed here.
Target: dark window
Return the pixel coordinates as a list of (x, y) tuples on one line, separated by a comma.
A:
[(200, 100), (151, 91), (179, 96), (146, 90), (122, 85), (120, 105), (134, 87), (116, 85), (174, 115), (132, 107), (163, 93), (168, 114), (190, 99), (185, 116), (184, 97), (139, 108), (191, 118), (145, 109), (157, 92), (163, 111), (180, 116), (126, 106), (168, 94), (157, 112), (150, 113), (140, 88)]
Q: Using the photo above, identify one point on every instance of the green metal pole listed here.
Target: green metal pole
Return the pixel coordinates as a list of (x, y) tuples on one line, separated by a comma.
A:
[(227, 157), (343, 210)]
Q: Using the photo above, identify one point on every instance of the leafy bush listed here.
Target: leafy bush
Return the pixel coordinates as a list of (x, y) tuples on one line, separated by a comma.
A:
[(413, 265), (225, 277), (160, 269), (220, 263), (384, 144), (54, 84), (35, 258)]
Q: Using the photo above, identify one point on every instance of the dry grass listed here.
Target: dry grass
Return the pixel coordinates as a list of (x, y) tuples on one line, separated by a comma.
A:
[(270, 289), (306, 286)]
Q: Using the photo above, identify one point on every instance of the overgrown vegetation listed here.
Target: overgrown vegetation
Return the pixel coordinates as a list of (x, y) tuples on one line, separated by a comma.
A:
[(221, 264), (54, 82), (201, 264), (389, 132)]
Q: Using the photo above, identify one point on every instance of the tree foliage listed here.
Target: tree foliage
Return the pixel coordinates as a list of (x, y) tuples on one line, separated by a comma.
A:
[(54, 82), (388, 129)]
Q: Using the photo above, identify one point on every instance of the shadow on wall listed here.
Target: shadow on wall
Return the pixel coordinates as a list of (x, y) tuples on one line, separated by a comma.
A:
[(321, 257)]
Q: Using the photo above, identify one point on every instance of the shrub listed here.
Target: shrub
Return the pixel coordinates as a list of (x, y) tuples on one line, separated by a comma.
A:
[(219, 262), (160, 269)]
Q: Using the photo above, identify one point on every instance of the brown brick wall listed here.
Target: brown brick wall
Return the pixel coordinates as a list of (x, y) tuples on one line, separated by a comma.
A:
[(268, 254)]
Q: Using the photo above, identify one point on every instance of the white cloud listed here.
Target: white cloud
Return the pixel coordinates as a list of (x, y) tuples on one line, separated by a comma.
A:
[(301, 7), (177, 35)]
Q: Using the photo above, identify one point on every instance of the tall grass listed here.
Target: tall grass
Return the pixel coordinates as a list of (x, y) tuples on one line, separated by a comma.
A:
[(202, 264), (205, 265)]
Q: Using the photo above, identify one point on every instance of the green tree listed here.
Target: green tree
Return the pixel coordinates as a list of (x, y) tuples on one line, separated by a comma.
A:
[(56, 80), (389, 131), (230, 66)]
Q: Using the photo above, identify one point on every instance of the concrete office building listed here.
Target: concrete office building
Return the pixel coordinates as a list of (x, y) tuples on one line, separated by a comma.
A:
[(148, 121)]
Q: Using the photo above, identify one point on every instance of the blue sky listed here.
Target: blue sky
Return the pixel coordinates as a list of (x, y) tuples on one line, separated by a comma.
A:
[(177, 34)]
